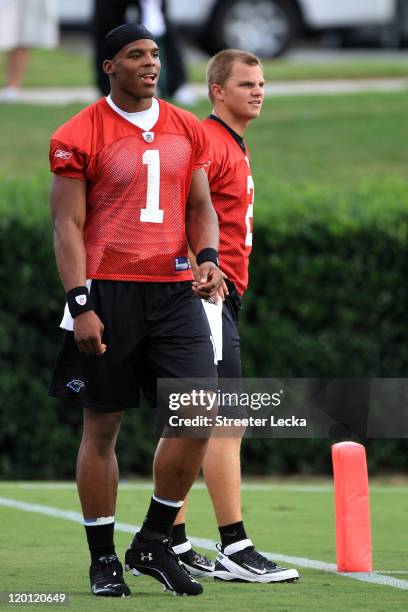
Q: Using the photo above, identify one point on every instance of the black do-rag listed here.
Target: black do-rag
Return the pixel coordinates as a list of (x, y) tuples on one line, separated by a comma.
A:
[(123, 35)]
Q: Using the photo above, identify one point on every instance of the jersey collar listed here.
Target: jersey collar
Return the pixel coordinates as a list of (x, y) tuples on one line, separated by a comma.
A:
[(156, 128), (234, 134)]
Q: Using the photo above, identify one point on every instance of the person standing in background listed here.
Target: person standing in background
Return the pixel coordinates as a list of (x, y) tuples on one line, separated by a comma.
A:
[(236, 90), (153, 14), (24, 24)]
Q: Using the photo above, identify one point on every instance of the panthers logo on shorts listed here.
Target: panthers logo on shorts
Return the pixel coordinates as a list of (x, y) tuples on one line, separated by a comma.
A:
[(76, 385)]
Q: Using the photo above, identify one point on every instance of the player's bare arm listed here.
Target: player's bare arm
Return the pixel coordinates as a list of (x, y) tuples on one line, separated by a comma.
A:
[(203, 233), (68, 210)]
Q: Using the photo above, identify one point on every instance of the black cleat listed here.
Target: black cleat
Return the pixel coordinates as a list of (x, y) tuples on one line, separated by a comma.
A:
[(106, 575), (157, 559), (196, 564)]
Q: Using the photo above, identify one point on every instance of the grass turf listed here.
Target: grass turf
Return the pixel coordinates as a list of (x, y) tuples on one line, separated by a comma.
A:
[(69, 68), (335, 141), (289, 70), (46, 554)]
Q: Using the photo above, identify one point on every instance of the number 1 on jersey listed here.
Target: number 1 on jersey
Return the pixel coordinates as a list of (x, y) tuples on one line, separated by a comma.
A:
[(152, 213)]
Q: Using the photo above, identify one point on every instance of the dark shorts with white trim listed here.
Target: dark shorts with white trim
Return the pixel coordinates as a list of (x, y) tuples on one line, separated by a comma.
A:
[(229, 369), (159, 329)]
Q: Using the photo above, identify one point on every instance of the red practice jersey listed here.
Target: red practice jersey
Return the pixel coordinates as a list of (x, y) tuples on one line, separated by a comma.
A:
[(232, 194), (137, 185)]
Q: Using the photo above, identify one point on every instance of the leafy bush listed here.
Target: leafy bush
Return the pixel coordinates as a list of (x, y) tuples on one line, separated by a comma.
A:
[(327, 298)]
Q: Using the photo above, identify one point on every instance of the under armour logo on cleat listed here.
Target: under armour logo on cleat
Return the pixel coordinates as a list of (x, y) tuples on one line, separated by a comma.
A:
[(76, 385), (148, 557)]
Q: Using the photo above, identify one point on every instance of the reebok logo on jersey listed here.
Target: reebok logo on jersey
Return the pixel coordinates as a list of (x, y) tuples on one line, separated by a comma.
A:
[(81, 299), (76, 385), (62, 154)]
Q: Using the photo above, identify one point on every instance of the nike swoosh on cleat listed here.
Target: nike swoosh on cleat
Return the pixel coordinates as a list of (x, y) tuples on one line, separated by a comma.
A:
[(106, 586), (255, 570)]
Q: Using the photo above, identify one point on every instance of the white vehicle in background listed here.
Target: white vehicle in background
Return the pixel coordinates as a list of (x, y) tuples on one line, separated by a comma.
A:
[(269, 27)]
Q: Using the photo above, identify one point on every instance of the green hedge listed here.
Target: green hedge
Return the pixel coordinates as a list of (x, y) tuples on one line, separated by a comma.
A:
[(39, 436), (327, 297), (328, 294)]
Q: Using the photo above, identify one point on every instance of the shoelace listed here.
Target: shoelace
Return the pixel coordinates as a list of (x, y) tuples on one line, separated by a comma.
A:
[(109, 563), (108, 559), (251, 555), (200, 558)]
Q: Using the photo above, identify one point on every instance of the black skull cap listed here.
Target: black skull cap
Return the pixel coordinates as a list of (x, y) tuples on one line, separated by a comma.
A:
[(123, 35)]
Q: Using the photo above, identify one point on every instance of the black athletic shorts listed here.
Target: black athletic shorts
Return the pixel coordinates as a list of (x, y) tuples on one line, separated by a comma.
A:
[(229, 368), (160, 326)]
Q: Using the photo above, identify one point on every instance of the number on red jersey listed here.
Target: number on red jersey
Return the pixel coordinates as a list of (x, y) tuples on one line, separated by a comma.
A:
[(152, 213)]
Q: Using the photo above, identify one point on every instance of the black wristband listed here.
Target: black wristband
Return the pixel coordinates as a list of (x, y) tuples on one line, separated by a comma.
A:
[(79, 301), (207, 254)]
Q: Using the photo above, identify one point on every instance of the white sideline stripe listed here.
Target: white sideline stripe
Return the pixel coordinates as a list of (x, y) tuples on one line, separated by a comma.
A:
[(207, 544), (69, 515)]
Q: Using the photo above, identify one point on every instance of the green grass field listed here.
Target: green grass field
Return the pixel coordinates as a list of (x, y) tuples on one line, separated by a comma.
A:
[(42, 553), (68, 68), (334, 141)]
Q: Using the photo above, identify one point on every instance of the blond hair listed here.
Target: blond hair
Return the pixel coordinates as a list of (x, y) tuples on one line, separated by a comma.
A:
[(220, 66)]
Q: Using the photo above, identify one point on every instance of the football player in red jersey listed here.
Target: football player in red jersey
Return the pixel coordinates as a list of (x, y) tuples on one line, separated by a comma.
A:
[(129, 189), (236, 89)]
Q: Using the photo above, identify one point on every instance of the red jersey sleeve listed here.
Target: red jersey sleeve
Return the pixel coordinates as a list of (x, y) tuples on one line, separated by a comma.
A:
[(70, 147), (66, 160)]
